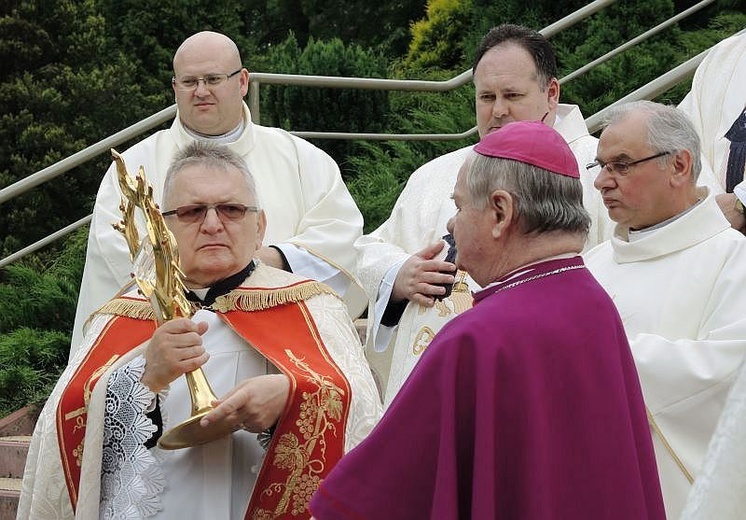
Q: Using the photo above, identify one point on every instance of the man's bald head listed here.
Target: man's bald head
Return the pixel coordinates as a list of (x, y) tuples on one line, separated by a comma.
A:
[(208, 42)]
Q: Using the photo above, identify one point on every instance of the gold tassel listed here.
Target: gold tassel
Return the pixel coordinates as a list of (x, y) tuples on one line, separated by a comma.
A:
[(243, 299), (137, 309), (260, 299)]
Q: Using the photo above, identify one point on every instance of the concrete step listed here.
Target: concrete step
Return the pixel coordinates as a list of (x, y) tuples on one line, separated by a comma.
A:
[(15, 437), (13, 450), (10, 491), (20, 422)]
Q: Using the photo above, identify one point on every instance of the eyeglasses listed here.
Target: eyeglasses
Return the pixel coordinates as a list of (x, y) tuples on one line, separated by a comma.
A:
[(194, 213), (622, 167), (190, 83)]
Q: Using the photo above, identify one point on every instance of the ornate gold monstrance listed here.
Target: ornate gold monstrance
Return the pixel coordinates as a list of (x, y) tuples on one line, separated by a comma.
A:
[(156, 271)]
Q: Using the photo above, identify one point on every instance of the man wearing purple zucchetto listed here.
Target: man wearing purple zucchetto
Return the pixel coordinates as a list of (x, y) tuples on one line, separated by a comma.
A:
[(528, 405)]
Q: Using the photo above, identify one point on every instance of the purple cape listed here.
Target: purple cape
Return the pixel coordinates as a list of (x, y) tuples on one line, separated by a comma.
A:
[(525, 407)]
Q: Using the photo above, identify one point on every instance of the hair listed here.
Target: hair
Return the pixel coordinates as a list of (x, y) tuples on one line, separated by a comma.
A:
[(209, 155), (544, 201), (533, 42), (668, 130)]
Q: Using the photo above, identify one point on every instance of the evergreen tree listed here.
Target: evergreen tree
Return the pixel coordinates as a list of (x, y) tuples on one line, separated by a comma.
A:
[(149, 33), (326, 109), (37, 309), (31, 361), (437, 39), (376, 25), (58, 95)]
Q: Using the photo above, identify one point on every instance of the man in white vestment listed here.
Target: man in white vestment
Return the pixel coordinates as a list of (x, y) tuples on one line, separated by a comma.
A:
[(674, 269), (401, 264), (716, 105), (313, 221), (279, 350)]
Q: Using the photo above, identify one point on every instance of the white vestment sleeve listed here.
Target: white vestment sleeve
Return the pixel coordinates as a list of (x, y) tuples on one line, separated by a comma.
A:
[(714, 102), (303, 263), (331, 221), (381, 334), (417, 220)]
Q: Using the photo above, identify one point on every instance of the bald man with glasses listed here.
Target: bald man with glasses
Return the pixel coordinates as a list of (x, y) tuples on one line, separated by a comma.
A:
[(313, 219), (674, 269)]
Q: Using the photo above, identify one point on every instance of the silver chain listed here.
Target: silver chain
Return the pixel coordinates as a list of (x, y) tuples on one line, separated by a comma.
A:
[(537, 276)]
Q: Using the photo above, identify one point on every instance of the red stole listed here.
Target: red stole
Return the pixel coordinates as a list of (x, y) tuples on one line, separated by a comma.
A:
[(309, 437), (120, 335)]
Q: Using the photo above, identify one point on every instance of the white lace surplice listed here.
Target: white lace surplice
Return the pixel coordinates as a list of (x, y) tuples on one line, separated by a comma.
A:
[(131, 478), (202, 481)]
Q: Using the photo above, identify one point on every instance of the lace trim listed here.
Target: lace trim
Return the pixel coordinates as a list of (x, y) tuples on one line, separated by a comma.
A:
[(131, 477)]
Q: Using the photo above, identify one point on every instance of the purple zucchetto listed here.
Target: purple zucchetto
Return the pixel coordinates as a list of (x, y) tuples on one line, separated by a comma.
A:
[(531, 142)]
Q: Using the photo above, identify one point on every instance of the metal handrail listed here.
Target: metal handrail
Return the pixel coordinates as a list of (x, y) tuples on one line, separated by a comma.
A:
[(654, 88), (638, 39), (462, 79), (86, 154), (45, 241), (650, 90)]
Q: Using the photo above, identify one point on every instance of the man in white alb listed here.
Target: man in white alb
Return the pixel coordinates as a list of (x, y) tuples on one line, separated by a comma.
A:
[(401, 264), (674, 269)]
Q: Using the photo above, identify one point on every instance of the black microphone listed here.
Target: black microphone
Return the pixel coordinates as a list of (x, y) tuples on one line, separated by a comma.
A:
[(450, 257)]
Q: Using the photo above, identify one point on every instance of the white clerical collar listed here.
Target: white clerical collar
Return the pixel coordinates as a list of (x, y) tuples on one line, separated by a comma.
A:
[(200, 292), (557, 118), (528, 268), (634, 235), (226, 138)]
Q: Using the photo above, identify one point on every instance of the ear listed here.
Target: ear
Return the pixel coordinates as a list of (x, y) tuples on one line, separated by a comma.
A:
[(502, 209), (682, 168), (244, 81), (261, 227), (553, 94)]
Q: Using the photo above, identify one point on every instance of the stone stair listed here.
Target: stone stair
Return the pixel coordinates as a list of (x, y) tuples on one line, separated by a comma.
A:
[(15, 437)]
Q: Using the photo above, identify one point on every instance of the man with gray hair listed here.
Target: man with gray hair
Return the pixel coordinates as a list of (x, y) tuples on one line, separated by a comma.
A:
[(279, 350), (674, 269), (527, 406)]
